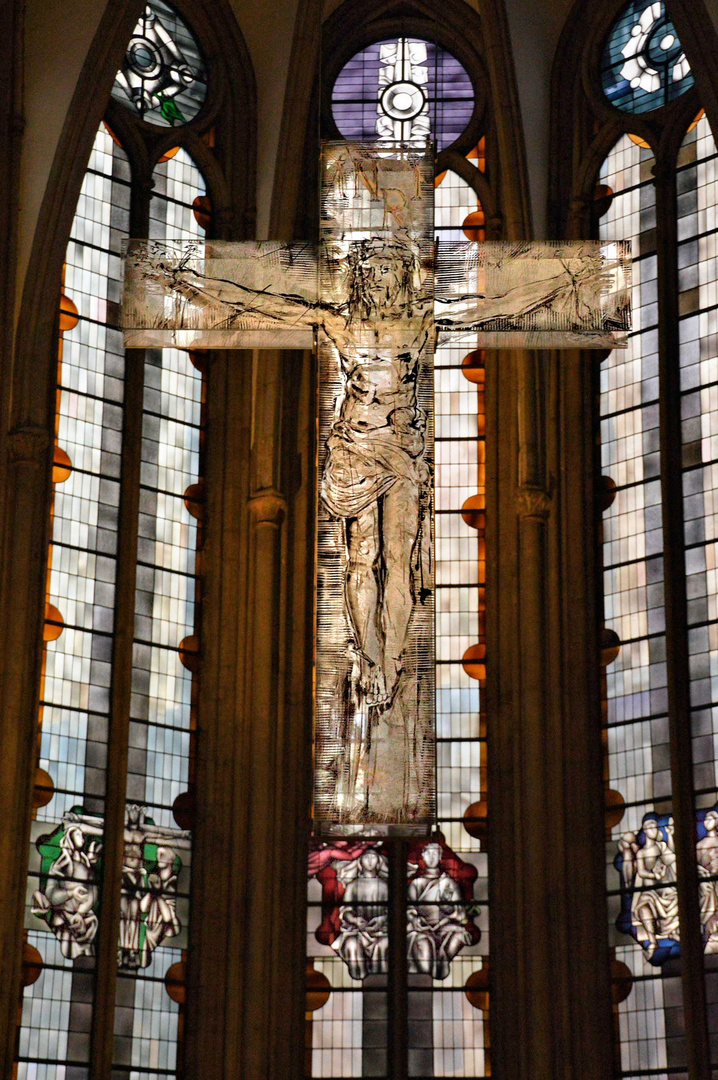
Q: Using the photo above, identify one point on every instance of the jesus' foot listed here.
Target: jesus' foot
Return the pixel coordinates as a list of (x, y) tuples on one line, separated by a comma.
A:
[(393, 667), (377, 696)]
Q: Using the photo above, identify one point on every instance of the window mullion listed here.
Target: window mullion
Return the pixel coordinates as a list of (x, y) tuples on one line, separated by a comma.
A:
[(676, 622), (398, 997), (117, 751)]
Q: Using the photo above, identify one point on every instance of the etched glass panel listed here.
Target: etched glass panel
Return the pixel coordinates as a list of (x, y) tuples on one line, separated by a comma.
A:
[(215, 294), (374, 759), (537, 294), (449, 1031)]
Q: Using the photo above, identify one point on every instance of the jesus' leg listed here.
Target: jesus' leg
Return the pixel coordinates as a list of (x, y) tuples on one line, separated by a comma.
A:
[(362, 592), (400, 527)]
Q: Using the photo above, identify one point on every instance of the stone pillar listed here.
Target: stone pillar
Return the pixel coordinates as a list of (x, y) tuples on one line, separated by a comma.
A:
[(22, 598), (246, 976), (551, 1014)]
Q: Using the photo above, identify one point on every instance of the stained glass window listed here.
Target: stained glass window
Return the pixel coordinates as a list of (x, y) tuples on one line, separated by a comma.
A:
[(163, 76), (163, 719), (697, 210), (82, 712), (644, 65), (646, 933), (446, 995), (403, 90), (636, 733), (64, 882)]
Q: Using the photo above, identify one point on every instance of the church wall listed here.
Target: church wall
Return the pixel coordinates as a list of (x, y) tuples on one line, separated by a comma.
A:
[(535, 30), (57, 41)]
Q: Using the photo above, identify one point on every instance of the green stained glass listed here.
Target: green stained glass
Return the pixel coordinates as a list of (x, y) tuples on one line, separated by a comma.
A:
[(162, 77)]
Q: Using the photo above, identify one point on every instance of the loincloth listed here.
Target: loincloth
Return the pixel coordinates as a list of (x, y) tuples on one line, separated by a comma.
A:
[(363, 466)]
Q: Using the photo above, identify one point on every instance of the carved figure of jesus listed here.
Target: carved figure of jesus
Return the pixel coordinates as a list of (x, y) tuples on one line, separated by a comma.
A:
[(377, 481)]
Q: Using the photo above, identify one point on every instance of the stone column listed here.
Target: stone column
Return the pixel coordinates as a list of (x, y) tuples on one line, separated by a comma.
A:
[(551, 1014), (22, 598), (247, 970)]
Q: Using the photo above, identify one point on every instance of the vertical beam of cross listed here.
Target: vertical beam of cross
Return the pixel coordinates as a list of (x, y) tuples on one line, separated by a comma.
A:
[(374, 758)]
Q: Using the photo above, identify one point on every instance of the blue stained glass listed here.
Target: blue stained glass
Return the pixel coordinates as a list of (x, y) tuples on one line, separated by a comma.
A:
[(404, 90), (643, 65), (162, 76)]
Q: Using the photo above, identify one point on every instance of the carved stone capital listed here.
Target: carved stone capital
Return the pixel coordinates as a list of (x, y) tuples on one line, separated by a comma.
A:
[(579, 215), (663, 172), (268, 507), (533, 502), (28, 445), (494, 227)]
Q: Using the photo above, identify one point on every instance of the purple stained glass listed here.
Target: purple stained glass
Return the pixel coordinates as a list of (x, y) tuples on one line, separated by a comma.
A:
[(405, 84)]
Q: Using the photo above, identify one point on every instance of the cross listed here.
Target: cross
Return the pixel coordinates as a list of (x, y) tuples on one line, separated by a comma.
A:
[(374, 295)]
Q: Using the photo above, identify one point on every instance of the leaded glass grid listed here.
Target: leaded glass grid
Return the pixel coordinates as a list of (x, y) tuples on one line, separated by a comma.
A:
[(697, 208), (77, 670), (649, 1020), (64, 884), (148, 1023)]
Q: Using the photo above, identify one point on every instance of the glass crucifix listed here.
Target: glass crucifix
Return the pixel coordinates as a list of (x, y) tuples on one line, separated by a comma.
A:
[(373, 296)]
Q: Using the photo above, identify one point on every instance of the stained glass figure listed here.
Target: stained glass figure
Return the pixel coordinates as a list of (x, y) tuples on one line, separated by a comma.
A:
[(367, 293), (646, 864), (440, 913), (363, 938), (67, 899), (403, 90), (148, 904), (441, 909), (644, 65), (69, 880), (162, 76)]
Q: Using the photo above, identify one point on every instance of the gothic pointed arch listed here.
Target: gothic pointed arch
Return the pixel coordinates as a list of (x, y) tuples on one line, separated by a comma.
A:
[(633, 111), (214, 158), (480, 43)]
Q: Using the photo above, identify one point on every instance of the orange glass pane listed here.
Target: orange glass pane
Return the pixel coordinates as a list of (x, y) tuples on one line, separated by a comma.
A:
[(176, 982), (473, 661), (474, 226), (69, 315), (54, 623), (189, 652), (318, 989), (202, 210), (477, 988), (61, 466), (43, 789)]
